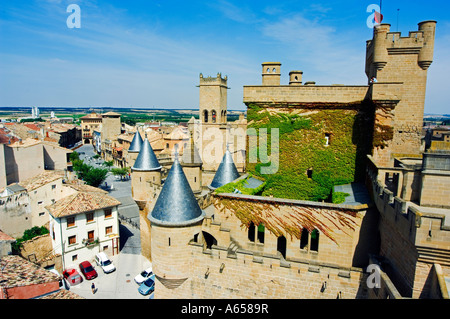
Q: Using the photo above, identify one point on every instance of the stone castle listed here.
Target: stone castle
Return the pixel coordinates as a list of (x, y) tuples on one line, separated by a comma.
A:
[(205, 241)]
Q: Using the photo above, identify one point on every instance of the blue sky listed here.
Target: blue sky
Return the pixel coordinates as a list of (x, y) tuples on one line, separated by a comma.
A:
[(149, 53)]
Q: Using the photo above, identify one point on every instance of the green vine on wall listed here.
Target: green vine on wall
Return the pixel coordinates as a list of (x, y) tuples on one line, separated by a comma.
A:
[(302, 147), (290, 220)]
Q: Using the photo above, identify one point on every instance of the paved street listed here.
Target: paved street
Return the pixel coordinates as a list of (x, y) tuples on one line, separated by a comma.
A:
[(129, 262), (119, 284)]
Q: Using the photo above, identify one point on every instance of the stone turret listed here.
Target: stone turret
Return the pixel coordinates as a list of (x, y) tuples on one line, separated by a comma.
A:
[(426, 53), (145, 175), (135, 148), (400, 65), (192, 165), (175, 220)]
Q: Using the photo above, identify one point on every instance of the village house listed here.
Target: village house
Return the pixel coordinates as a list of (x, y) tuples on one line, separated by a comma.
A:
[(84, 223)]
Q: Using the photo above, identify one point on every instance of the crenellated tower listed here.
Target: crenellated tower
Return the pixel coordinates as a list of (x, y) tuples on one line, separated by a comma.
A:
[(400, 66)]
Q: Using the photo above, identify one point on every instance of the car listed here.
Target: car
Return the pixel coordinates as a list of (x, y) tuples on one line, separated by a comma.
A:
[(148, 286), (139, 279), (103, 261), (87, 270), (72, 276)]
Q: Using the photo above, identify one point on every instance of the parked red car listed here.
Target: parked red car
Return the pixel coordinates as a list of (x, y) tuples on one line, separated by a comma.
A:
[(87, 270), (72, 276)]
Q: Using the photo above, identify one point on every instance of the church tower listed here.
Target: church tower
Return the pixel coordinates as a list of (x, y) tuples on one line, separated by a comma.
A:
[(213, 100), (213, 122)]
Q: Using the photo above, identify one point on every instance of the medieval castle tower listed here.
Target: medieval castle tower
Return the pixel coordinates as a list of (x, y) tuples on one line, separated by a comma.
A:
[(235, 245)]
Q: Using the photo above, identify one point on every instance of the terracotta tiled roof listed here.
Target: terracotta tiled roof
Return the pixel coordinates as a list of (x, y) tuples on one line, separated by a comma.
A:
[(81, 202), (86, 188), (41, 179), (4, 236), (32, 126), (62, 294), (16, 271)]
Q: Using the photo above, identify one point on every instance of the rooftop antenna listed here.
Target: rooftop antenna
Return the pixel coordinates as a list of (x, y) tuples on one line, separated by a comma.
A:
[(398, 12)]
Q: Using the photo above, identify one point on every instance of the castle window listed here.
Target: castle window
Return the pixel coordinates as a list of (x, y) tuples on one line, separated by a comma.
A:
[(314, 240), (213, 115), (274, 70), (169, 241), (261, 229), (327, 139), (251, 232), (281, 246), (195, 179), (268, 70), (205, 116), (304, 239)]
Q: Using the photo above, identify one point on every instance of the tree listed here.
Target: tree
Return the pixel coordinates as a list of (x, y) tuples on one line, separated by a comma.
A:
[(81, 168), (74, 156), (95, 176), (108, 163), (122, 172)]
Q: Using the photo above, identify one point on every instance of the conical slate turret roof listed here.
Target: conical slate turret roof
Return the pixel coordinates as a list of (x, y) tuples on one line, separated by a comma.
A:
[(136, 143), (146, 160), (226, 173), (176, 204)]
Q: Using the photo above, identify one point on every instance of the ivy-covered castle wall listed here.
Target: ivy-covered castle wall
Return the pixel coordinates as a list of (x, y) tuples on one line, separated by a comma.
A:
[(320, 146)]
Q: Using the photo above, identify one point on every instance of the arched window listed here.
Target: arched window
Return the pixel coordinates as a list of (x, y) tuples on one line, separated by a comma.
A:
[(274, 70), (213, 115), (281, 246), (268, 70), (205, 116), (224, 117), (209, 240)]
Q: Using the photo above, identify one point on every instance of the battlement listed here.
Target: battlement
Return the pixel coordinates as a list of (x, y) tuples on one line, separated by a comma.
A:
[(218, 80), (386, 43)]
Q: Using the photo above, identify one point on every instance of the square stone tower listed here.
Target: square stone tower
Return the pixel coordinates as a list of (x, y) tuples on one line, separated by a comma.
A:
[(400, 66), (213, 99), (213, 121)]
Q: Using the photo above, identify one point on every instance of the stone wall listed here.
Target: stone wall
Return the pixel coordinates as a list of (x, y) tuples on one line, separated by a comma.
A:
[(413, 238)]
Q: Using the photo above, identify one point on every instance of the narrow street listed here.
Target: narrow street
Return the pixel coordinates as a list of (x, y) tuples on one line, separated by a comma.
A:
[(129, 262)]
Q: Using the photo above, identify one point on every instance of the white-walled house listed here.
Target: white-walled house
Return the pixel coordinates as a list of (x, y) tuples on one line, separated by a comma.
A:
[(83, 224)]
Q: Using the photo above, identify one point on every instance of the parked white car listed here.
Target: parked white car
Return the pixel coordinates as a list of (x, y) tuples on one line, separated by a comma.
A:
[(144, 275), (104, 262)]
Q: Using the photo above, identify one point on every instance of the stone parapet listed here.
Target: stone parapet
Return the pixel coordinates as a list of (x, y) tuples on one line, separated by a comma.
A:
[(298, 94)]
